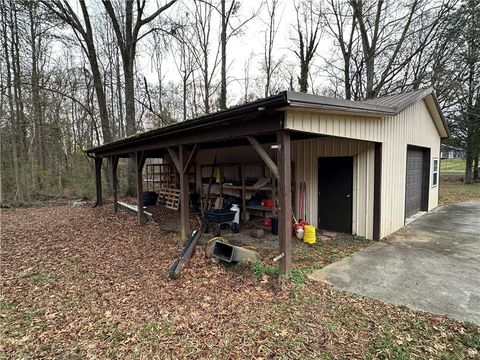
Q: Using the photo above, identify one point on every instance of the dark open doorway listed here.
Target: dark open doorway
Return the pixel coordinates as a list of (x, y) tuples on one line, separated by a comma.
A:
[(335, 185)]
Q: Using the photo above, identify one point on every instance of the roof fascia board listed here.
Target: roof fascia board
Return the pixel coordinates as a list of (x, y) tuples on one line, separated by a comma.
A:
[(272, 102), (434, 109), (419, 96), (335, 111), (322, 102), (212, 134)]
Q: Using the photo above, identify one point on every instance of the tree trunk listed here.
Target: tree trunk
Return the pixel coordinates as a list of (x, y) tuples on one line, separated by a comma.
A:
[(370, 67), (346, 74), (468, 168), (39, 138), (223, 42), (476, 175), (129, 97), (303, 79), (18, 197)]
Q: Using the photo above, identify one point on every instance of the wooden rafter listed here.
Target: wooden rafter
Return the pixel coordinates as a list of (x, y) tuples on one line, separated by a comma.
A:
[(264, 155)]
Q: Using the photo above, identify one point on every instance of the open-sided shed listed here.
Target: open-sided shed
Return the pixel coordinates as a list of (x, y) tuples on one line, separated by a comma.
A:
[(366, 166)]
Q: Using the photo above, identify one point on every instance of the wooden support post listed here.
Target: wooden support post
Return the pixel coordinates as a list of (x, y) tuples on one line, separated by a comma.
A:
[(113, 160), (98, 181), (285, 201), (183, 162), (184, 195), (139, 160)]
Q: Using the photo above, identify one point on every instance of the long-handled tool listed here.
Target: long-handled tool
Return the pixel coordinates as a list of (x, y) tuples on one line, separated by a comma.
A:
[(209, 188), (186, 256)]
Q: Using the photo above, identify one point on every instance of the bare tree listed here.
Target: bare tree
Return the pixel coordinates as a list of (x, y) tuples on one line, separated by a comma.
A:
[(341, 25), (386, 31), (229, 10), (269, 65), (84, 34), (128, 35), (308, 34), (206, 60)]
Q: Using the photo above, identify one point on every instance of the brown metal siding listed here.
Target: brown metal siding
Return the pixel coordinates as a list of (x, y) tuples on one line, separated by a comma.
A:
[(305, 154)]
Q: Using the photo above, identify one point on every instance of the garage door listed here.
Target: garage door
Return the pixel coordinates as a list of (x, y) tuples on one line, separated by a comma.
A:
[(414, 186)]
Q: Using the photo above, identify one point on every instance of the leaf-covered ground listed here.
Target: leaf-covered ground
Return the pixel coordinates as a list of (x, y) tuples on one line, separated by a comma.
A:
[(83, 283), (452, 192)]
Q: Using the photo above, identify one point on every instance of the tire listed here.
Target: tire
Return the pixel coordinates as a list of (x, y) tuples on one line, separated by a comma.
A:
[(216, 230), (235, 228)]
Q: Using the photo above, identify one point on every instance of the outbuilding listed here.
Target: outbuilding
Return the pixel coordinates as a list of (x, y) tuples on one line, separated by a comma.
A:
[(361, 167)]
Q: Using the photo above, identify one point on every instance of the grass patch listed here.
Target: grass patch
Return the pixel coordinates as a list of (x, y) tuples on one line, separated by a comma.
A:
[(297, 276), (39, 279), (30, 312), (387, 348), (153, 329), (452, 166), (260, 269), (109, 331), (5, 305)]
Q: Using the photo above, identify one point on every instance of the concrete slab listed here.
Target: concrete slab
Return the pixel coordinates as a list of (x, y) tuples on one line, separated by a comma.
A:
[(433, 264)]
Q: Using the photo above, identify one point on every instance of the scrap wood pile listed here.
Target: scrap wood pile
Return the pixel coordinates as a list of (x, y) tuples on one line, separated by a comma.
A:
[(82, 283)]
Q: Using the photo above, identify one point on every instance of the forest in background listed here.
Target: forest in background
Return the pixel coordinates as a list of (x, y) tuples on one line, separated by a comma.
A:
[(75, 74)]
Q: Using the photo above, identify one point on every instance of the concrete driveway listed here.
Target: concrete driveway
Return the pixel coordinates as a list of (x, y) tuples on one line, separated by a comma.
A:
[(433, 264)]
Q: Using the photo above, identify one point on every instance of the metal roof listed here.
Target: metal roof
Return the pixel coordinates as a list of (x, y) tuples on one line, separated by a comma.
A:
[(328, 103), (384, 106), (400, 102)]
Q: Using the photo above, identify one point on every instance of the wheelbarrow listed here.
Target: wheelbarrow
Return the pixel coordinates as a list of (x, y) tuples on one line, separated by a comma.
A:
[(219, 218)]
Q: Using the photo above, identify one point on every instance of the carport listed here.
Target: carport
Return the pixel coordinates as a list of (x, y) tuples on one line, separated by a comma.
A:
[(327, 141)]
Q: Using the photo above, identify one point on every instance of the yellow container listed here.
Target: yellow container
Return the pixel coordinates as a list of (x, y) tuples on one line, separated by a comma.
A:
[(309, 235)]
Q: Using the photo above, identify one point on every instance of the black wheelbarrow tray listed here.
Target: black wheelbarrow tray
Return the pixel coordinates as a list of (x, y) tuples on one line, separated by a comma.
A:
[(219, 217)]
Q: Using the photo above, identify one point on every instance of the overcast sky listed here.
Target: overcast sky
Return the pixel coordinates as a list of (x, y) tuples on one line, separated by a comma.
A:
[(249, 44)]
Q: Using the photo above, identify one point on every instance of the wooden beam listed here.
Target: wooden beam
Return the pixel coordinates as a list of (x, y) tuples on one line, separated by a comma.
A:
[(191, 158), (207, 133), (184, 196), (285, 201), (98, 181), (113, 163), (175, 160), (264, 155)]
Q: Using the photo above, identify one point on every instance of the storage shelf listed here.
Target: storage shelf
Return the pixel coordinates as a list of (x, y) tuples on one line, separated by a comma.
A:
[(259, 207), (240, 187)]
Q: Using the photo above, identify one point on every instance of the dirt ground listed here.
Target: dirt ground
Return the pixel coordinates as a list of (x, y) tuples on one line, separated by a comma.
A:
[(85, 283)]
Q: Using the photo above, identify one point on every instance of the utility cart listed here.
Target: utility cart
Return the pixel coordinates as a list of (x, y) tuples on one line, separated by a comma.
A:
[(219, 218)]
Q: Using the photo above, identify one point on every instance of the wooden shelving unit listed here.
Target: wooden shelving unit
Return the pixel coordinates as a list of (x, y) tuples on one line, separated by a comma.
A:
[(164, 176), (243, 189)]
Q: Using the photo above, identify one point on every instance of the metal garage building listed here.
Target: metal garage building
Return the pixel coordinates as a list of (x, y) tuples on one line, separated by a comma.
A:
[(367, 165)]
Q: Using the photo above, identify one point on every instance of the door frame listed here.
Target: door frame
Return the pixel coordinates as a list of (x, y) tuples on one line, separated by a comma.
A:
[(425, 178), (351, 187)]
